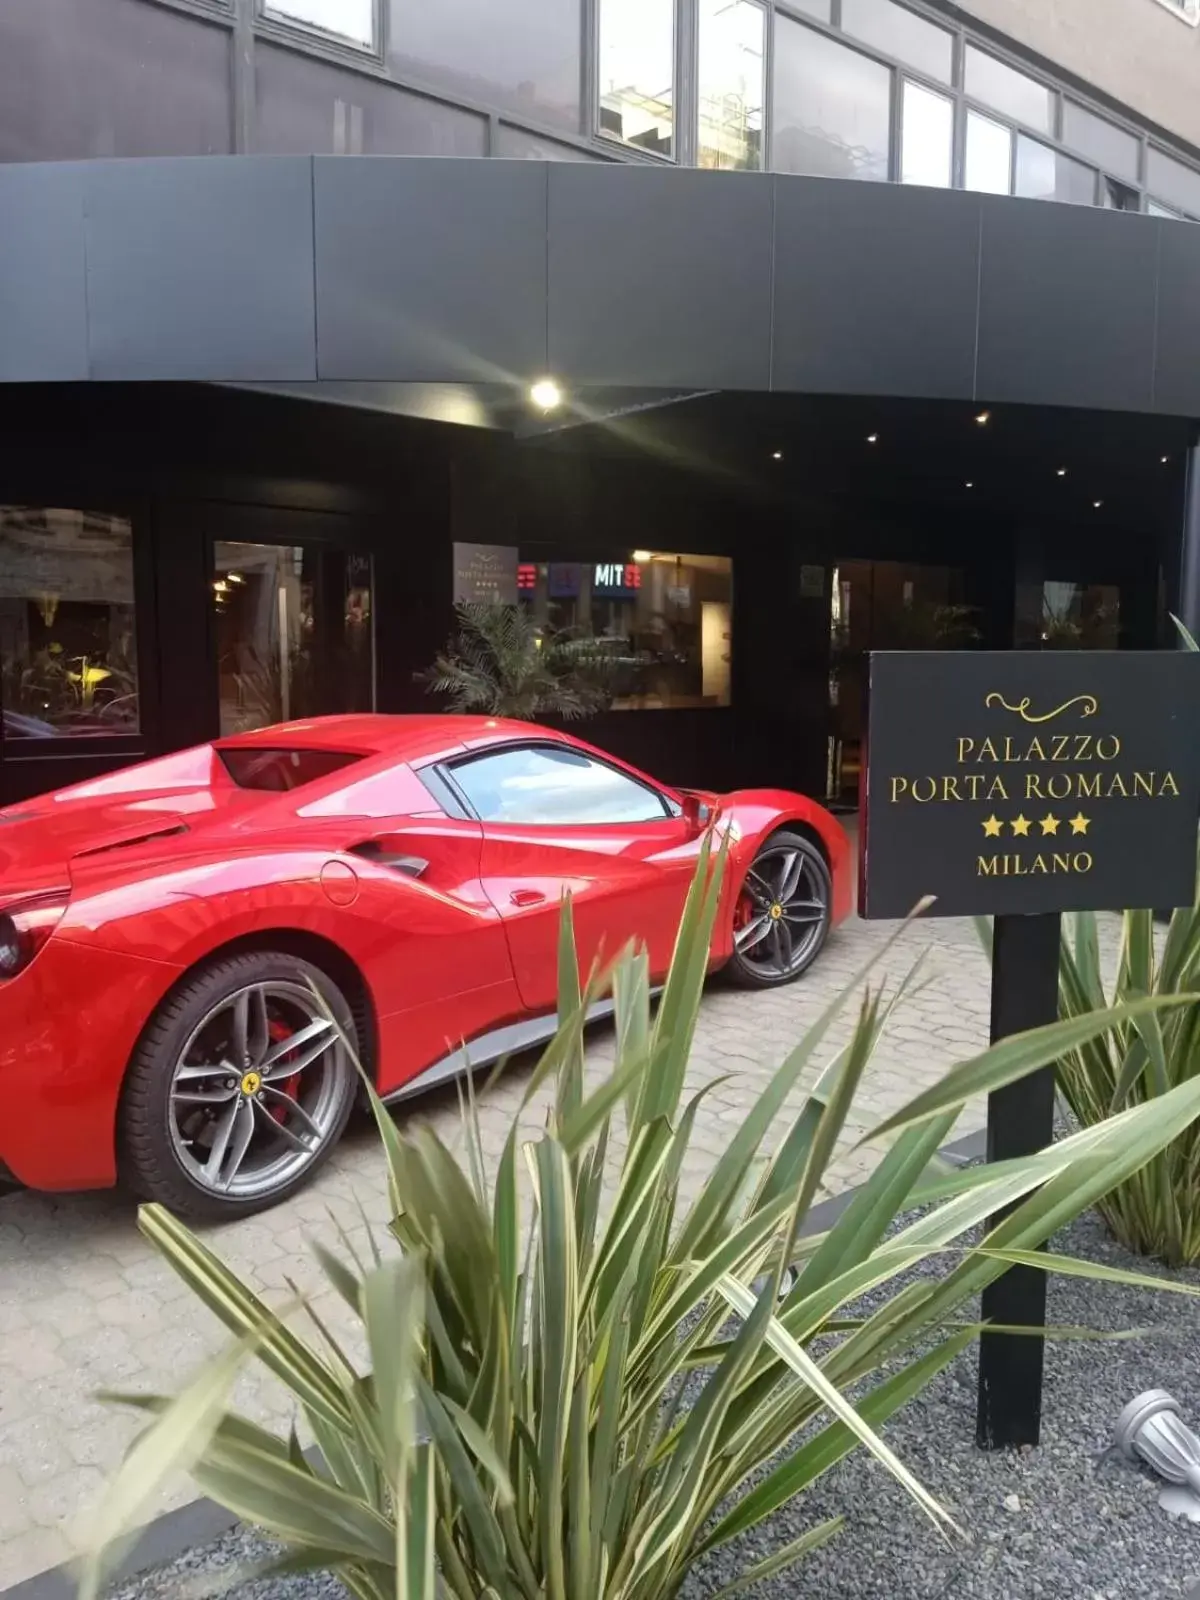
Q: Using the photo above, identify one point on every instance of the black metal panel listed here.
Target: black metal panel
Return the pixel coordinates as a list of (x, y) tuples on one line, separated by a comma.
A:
[(201, 269), (1066, 305), (431, 270), (660, 277), (876, 289), (43, 307), (1177, 355)]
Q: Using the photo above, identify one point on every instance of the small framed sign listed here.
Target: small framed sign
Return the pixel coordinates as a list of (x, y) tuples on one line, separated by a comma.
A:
[(1023, 782)]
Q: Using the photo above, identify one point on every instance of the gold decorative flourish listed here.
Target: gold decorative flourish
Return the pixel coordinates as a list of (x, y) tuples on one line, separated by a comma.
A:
[(1087, 703)]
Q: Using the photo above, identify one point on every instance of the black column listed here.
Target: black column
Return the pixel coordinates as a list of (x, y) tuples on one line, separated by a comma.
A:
[(1188, 600)]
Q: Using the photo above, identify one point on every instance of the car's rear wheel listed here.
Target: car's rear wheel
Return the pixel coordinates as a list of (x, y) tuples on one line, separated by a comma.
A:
[(782, 916), (240, 1087)]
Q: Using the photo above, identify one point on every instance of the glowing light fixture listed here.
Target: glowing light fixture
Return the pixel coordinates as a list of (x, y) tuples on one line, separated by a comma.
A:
[(983, 418), (969, 484), (1062, 472), (642, 556), (1097, 504), (546, 394), (777, 455), (872, 438)]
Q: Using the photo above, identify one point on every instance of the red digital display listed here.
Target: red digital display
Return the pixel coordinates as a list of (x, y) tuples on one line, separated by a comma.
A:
[(527, 575)]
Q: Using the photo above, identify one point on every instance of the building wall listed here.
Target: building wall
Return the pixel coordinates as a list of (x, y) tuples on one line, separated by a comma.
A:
[(1141, 52)]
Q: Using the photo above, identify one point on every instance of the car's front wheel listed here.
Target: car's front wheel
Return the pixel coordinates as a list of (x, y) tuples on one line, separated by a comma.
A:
[(782, 916), (240, 1088)]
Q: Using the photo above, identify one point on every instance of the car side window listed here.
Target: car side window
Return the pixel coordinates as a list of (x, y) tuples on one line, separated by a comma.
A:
[(554, 784)]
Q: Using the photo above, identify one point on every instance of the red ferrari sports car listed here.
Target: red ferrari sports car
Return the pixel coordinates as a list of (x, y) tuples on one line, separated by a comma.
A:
[(161, 928)]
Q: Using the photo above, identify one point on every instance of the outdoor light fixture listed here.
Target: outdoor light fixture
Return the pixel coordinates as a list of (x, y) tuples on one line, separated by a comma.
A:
[(872, 438), (1150, 1427), (642, 556), (983, 418), (1096, 504), (1062, 472), (777, 455), (546, 394), (969, 484)]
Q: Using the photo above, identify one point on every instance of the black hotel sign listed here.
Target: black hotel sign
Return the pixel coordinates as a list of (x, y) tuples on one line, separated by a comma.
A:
[(1013, 782)]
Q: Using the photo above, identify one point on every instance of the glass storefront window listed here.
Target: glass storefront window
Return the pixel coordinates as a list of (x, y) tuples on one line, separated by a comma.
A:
[(294, 633), (1045, 174), (989, 156), (659, 623), (347, 19), (832, 107), (926, 138), (637, 73), (732, 64), (68, 647)]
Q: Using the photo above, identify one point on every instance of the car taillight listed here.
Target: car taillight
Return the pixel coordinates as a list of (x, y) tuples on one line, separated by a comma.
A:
[(25, 925)]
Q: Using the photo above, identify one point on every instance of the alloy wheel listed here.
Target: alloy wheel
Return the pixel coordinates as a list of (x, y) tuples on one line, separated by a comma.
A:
[(782, 912), (257, 1090)]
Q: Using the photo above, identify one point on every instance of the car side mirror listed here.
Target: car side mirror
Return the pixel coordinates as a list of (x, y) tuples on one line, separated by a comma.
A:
[(696, 814)]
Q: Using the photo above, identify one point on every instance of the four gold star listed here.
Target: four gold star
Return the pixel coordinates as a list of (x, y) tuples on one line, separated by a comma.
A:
[(993, 826)]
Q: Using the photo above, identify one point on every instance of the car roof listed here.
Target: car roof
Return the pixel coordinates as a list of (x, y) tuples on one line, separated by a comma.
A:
[(400, 738)]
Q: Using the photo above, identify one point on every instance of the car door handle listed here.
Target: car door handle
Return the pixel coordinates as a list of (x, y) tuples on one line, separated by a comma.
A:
[(527, 897)]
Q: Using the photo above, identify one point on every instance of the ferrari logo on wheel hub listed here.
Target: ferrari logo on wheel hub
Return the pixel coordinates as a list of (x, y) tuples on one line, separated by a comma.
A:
[(776, 912), (251, 1084)]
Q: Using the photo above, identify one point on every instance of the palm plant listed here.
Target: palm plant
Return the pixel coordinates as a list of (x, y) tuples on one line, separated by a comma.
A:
[(582, 1385), (500, 663)]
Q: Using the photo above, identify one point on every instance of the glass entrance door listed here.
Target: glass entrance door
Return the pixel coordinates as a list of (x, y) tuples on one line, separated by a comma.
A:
[(294, 633), (884, 605)]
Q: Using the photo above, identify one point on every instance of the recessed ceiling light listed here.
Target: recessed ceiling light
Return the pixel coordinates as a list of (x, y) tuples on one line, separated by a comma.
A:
[(1165, 459), (546, 394), (1062, 472), (872, 438), (776, 455), (983, 418), (642, 556), (1097, 504), (969, 484)]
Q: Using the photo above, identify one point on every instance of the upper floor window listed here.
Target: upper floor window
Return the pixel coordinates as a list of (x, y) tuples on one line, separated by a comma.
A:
[(1005, 89), (901, 33), (352, 20), (832, 106), (1169, 180), (731, 84), (637, 73)]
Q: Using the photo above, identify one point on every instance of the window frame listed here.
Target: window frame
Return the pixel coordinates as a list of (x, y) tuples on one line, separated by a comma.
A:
[(684, 70), (692, 10), (275, 23), (118, 746), (443, 772)]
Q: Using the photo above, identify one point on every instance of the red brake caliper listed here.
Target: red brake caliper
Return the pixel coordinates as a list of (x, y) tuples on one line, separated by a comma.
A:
[(279, 1031)]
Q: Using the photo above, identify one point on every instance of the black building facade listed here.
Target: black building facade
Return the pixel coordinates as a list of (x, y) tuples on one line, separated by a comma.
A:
[(265, 415)]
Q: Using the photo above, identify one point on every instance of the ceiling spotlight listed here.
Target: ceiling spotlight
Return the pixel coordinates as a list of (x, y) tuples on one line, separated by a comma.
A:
[(969, 484), (872, 438), (1165, 459), (642, 556), (983, 418), (546, 394), (1096, 504), (1062, 472), (776, 455)]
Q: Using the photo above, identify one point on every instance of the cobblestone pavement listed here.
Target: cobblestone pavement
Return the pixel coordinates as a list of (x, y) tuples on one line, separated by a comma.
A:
[(85, 1304)]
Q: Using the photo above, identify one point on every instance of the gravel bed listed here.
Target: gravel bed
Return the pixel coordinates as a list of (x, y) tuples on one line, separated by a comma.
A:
[(1068, 1521)]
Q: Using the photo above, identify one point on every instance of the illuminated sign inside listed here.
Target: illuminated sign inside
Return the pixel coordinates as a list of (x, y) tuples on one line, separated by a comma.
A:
[(622, 578), (1021, 782), (527, 577)]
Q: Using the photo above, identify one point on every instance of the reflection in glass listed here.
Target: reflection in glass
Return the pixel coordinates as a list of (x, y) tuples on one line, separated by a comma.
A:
[(901, 33), (1109, 146), (832, 107), (349, 19), (1045, 174), (522, 57), (294, 633), (732, 34), (1155, 210), (657, 624), (989, 156), (68, 650), (1115, 196), (1069, 616), (1176, 183), (637, 73), (927, 137), (1009, 91), (545, 785)]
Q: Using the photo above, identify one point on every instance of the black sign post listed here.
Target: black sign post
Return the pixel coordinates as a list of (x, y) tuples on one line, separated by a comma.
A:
[(1023, 785)]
